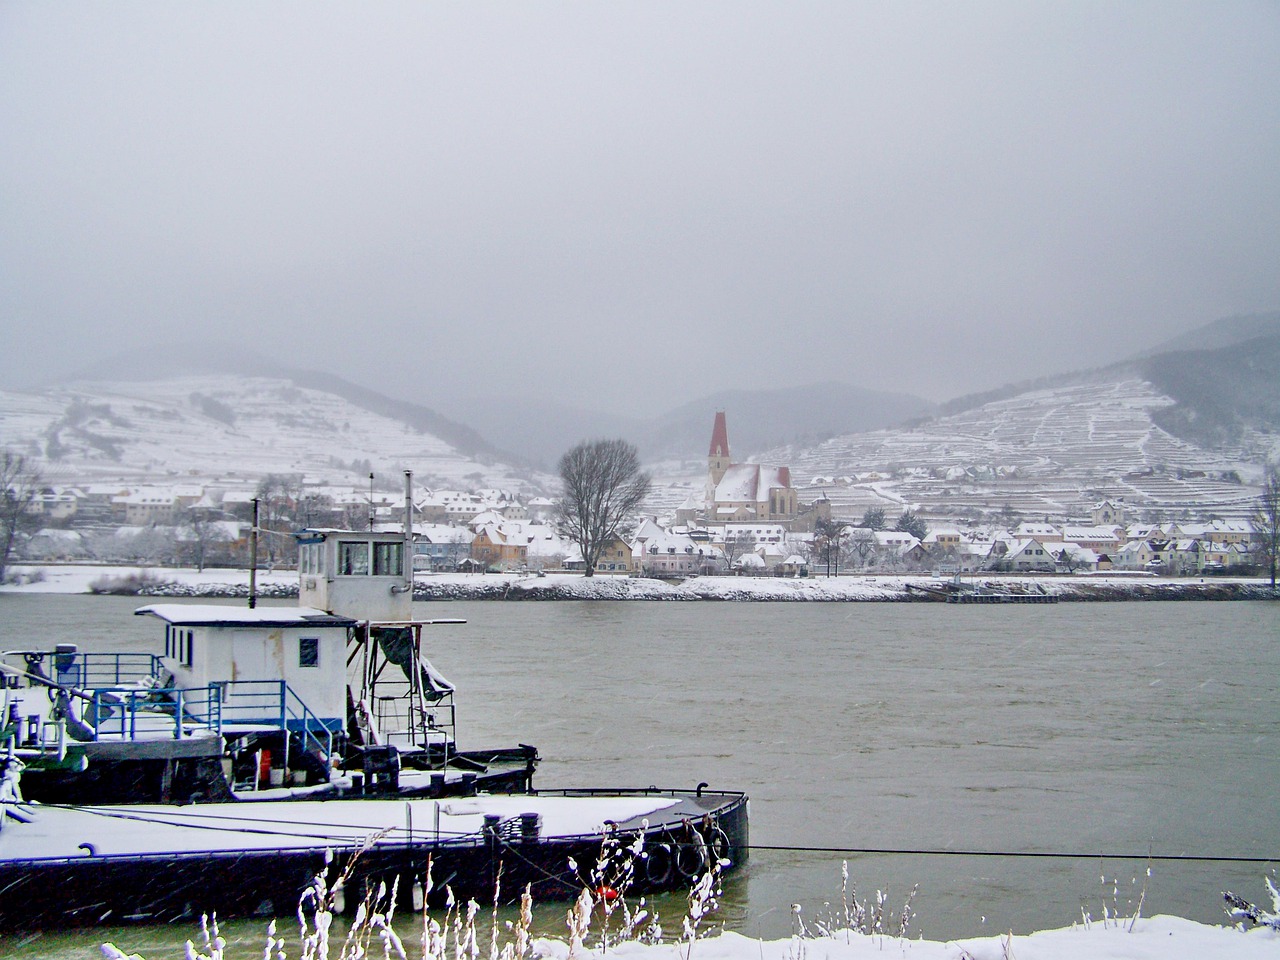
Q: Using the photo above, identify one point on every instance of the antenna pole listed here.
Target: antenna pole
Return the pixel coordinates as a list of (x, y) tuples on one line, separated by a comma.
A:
[(253, 558), (407, 559)]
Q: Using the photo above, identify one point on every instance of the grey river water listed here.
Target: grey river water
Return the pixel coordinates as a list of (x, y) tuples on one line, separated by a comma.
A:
[(1111, 730)]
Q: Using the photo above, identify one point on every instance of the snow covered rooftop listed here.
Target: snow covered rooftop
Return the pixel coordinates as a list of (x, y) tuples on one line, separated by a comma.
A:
[(220, 614)]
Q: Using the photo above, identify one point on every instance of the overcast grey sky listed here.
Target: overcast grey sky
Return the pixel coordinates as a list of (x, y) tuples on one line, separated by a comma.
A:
[(645, 201)]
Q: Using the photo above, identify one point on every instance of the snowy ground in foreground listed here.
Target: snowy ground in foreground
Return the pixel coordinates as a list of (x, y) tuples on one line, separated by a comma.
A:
[(1157, 938)]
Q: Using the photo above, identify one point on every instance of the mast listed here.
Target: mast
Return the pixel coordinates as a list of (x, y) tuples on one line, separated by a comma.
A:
[(253, 558), (407, 559)]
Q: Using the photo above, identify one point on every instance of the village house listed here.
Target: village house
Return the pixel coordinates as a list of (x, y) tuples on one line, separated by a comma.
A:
[(1139, 555), (1108, 513), (667, 554), (439, 547), (1073, 558), (54, 506), (1100, 539), (496, 551), (1042, 532), (146, 508), (1029, 555), (616, 557)]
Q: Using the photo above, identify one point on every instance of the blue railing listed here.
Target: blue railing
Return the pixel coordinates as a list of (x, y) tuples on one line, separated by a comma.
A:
[(106, 670), (131, 713), (274, 703)]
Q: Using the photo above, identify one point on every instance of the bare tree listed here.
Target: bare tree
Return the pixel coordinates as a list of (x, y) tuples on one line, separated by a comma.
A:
[(863, 545), (278, 496), (1266, 525), (828, 540), (603, 485), (19, 484), (195, 533)]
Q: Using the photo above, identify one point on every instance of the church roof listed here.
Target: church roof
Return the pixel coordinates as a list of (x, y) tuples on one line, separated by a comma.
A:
[(750, 483)]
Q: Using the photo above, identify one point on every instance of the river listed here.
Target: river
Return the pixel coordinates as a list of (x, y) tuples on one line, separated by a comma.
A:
[(1110, 730)]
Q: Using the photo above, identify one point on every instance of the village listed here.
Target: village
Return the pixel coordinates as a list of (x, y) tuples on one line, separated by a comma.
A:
[(749, 520)]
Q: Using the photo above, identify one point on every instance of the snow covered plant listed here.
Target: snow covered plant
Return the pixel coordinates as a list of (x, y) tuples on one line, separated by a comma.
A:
[(870, 916), (455, 936), (606, 887), (129, 584), (1112, 915), (1246, 914)]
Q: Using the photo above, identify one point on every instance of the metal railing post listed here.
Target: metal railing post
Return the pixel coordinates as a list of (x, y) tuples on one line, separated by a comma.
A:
[(284, 723)]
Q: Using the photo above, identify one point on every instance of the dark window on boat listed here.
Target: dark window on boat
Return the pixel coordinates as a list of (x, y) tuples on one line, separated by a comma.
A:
[(353, 558), (187, 643), (386, 559), (308, 651), (168, 640)]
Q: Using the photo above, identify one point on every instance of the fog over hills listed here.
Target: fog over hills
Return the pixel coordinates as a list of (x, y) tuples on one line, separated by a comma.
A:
[(766, 417), (1168, 431)]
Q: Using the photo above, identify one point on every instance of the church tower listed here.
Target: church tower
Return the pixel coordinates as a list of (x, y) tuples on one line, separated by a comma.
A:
[(718, 457)]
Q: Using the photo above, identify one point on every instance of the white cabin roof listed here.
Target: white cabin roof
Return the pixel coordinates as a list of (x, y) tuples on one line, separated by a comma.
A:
[(221, 615)]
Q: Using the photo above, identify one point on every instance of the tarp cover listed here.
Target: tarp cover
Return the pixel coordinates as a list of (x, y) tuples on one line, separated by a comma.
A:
[(397, 646)]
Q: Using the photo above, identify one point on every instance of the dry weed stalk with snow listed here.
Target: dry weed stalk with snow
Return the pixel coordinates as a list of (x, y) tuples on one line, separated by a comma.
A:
[(371, 930)]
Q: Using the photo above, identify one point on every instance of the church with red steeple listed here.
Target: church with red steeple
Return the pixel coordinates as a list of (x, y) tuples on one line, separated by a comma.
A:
[(744, 492)]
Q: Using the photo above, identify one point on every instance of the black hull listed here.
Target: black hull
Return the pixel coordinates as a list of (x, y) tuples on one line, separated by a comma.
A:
[(149, 889)]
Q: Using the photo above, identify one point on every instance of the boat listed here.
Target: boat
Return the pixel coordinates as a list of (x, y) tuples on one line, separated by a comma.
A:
[(156, 863), (141, 786)]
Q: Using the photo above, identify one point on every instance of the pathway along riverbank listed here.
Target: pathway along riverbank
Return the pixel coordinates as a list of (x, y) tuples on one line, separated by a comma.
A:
[(843, 589)]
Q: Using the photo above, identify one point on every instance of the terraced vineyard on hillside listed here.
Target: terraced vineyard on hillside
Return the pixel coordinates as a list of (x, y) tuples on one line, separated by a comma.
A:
[(1050, 452), (201, 428)]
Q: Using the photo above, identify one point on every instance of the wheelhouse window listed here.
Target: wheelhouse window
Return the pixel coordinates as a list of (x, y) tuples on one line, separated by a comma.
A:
[(310, 558), (353, 558), (308, 651), (387, 559), (180, 644)]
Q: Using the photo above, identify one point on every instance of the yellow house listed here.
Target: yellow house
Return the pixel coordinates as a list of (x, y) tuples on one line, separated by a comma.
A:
[(616, 557), (493, 548)]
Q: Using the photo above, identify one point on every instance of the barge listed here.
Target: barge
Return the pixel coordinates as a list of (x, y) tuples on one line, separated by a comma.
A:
[(267, 742)]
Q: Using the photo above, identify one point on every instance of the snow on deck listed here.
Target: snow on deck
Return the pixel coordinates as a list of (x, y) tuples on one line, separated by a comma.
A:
[(166, 830)]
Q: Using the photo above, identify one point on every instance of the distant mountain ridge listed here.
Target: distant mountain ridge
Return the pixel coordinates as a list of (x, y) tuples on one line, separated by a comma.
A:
[(231, 430), (1224, 379), (1227, 332), (192, 359), (759, 419)]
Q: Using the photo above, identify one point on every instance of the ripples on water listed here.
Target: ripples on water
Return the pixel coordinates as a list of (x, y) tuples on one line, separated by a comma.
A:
[(1103, 729)]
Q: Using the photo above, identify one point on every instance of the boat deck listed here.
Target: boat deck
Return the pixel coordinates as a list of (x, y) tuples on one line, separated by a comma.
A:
[(150, 862)]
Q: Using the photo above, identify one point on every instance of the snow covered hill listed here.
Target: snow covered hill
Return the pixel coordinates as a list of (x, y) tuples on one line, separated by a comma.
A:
[(201, 428), (1052, 451)]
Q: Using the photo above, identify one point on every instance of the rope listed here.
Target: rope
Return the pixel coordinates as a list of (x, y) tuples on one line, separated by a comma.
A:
[(1009, 853)]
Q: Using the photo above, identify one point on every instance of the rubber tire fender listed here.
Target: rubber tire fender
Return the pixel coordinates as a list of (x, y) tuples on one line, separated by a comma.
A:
[(718, 843), (691, 856), (659, 865)]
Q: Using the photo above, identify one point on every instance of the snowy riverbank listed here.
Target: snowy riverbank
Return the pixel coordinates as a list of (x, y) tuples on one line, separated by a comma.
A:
[(177, 582), (1157, 938)]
